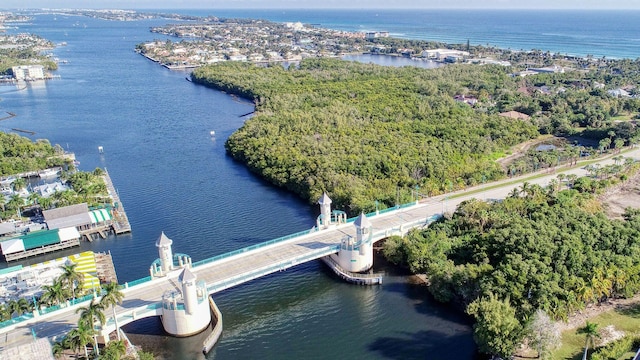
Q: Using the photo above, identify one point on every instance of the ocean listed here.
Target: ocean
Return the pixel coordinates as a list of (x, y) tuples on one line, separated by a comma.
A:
[(611, 34)]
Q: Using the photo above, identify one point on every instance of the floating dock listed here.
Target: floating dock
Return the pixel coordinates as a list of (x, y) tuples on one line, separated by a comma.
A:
[(120, 222)]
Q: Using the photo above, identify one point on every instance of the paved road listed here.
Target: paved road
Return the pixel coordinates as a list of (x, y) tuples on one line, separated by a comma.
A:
[(218, 274)]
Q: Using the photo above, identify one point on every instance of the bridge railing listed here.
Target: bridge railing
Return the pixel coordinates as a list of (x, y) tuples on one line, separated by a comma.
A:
[(271, 269), (139, 281), (253, 275), (252, 247), (134, 314), (399, 230)]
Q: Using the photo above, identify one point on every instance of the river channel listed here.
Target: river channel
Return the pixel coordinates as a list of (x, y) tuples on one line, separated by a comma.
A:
[(173, 176)]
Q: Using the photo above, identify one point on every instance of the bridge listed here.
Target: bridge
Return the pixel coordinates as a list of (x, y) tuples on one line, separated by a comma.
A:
[(143, 296)]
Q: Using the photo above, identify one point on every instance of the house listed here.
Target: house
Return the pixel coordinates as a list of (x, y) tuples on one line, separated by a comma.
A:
[(548, 70), (469, 100), (619, 93)]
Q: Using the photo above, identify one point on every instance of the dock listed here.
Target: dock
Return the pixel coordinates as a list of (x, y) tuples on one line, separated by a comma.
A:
[(9, 116), (120, 222), (354, 278)]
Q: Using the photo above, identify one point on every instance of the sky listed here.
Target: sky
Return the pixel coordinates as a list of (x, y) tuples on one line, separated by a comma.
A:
[(298, 4)]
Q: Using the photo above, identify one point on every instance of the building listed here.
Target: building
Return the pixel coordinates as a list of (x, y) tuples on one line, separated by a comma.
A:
[(469, 100), (77, 216), (376, 34), (39, 242), (548, 70), (28, 72), (444, 54)]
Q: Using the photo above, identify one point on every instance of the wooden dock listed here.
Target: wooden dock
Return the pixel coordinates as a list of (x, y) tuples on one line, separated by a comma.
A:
[(120, 222)]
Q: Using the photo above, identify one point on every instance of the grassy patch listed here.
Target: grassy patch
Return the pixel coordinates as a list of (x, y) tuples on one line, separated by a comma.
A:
[(627, 320), (627, 116)]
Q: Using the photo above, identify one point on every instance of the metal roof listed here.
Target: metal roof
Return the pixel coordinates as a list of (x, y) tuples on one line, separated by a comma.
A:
[(40, 238)]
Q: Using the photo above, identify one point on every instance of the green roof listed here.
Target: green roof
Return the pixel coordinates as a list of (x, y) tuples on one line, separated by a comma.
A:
[(40, 238)]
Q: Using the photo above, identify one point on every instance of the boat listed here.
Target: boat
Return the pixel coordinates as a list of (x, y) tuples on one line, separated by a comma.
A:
[(48, 173)]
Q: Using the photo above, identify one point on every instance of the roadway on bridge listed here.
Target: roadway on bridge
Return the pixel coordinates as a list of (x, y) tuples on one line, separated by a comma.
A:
[(219, 275)]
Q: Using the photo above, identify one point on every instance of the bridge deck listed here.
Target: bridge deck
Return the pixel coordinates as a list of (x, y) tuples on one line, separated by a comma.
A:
[(221, 274)]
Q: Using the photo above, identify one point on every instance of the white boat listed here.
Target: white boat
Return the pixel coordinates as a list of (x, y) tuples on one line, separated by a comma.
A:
[(48, 173)]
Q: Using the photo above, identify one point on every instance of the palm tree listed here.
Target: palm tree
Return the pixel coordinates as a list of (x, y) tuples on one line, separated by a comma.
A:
[(55, 293), (19, 184), (14, 203), (115, 350), (58, 349), (5, 313), (617, 159), (89, 315), (20, 306), (71, 277), (112, 297), (80, 337), (618, 144), (591, 331), (33, 198)]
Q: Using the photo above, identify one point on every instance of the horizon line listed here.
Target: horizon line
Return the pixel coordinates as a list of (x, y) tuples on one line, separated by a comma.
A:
[(330, 8)]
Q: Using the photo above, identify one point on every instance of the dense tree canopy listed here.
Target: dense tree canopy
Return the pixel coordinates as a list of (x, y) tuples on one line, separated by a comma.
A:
[(538, 249), (19, 154), (362, 131)]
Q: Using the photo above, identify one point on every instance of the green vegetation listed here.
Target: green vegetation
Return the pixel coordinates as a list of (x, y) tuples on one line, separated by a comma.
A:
[(26, 53), (19, 154), (84, 334), (363, 132), (539, 249), (626, 320)]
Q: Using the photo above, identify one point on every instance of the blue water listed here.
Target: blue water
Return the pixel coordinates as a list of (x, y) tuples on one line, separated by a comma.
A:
[(172, 176), (613, 34)]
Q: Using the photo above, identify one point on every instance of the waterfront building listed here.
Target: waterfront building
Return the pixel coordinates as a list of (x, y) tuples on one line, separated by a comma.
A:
[(444, 54), (28, 72), (27, 282), (39, 242), (77, 216)]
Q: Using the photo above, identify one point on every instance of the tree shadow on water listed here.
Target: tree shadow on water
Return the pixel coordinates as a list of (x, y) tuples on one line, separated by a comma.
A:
[(427, 344)]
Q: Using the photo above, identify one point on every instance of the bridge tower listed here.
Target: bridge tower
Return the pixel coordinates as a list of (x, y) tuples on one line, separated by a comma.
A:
[(356, 255), (164, 250), (324, 220), (186, 312)]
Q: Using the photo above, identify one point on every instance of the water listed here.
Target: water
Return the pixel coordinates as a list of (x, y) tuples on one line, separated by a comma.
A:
[(612, 33), (172, 176)]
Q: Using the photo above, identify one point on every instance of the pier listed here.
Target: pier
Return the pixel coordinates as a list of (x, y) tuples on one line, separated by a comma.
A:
[(120, 222)]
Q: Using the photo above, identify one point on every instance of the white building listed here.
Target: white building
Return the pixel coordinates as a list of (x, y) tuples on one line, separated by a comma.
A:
[(28, 72), (442, 54), (376, 34)]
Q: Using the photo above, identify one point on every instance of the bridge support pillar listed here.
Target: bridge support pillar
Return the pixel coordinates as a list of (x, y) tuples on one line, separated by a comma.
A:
[(324, 220), (186, 312), (164, 250), (356, 255)]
